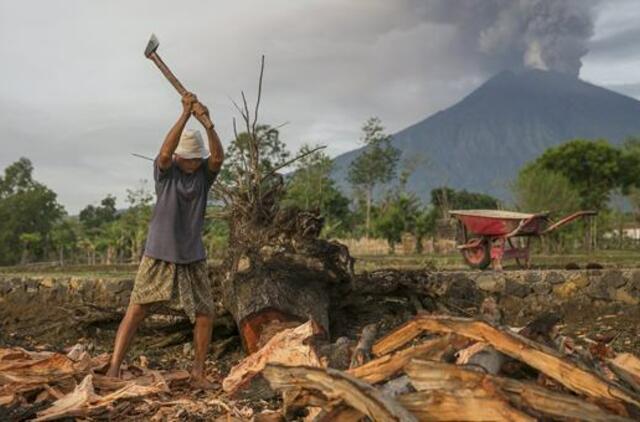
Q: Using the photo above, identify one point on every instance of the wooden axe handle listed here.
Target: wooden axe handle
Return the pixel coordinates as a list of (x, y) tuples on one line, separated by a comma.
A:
[(176, 83), (167, 73)]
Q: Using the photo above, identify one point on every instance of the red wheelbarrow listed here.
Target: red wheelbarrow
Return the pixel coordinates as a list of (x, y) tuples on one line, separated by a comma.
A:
[(484, 234)]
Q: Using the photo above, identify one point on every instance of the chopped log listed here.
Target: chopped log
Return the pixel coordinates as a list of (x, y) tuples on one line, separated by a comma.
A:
[(362, 352), (436, 376), (259, 297), (334, 385), (542, 358), (276, 267), (627, 364), (397, 338), (461, 405), (290, 347), (386, 366)]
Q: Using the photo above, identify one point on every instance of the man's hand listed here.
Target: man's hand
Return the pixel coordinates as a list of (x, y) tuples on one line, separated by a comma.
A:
[(188, 101), (202, 114)]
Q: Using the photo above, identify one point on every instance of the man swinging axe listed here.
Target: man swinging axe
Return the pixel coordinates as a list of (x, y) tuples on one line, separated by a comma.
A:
[(173, 269)]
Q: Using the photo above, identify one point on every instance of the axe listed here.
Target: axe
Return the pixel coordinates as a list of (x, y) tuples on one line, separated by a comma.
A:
[(151, 54)]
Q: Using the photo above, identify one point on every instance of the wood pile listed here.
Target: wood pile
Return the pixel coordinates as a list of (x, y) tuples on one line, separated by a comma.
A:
[(443, 368)]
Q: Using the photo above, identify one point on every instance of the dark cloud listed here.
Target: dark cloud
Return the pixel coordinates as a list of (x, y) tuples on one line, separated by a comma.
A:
[(546, 34), (622, 44)]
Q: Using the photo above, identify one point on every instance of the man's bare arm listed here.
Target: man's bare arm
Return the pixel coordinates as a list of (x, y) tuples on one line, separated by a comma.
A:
[(173, 137), (215, 146), (217, 153)]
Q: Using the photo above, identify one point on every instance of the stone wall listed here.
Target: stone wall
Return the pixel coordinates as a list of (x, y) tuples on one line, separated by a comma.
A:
[(60, 290), (527, 291), (555, 285)]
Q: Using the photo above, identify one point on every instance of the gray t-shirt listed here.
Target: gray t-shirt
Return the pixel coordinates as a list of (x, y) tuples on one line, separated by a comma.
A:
[(175, 231)]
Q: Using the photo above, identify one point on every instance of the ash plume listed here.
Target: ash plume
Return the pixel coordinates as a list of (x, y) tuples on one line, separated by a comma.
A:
[(544, 34)]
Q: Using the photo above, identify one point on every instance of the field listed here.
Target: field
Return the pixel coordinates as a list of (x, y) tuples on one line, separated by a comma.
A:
[(448, 262), (164, 342)]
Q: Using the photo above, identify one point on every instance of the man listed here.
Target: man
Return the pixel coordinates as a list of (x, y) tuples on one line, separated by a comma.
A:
[(173, 268)]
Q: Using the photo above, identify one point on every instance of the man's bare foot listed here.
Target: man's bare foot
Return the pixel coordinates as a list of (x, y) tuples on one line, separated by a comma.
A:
[(113, 372), (200, 382)]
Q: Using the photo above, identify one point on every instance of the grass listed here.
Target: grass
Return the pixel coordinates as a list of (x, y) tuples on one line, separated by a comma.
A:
[(453, 261)]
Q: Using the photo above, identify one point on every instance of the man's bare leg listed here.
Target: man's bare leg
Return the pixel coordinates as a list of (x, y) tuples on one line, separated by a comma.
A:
[(126, 331), (201, 340)]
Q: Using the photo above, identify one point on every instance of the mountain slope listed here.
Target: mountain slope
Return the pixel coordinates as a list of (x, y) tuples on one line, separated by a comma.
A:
[(481, 142)]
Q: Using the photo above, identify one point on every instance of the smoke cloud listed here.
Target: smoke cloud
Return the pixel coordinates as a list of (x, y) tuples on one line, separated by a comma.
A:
[(507, 34)]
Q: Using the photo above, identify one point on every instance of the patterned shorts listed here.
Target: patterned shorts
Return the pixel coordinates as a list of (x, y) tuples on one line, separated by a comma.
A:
[(183, 286)]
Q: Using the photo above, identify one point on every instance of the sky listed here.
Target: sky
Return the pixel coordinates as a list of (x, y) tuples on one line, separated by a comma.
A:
[(77, 95)]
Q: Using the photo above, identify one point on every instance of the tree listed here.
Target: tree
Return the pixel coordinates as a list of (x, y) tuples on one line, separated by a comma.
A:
[(631, 156), (26, 207), (538, 189), (63, 238), (135, 220), (375, 165), (272, 153), (30, 242), (397, 216), (311, 188), (94, 217), (445, 199), (594, 168), (425, 224)]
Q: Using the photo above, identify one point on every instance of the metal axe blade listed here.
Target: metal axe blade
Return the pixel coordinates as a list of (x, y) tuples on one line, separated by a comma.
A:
[(151, 54), (152, 46)]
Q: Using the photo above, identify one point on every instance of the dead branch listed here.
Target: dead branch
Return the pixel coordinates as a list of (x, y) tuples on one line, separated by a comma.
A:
[(335, 385), (540, 357), (436, 376), (386, 366)]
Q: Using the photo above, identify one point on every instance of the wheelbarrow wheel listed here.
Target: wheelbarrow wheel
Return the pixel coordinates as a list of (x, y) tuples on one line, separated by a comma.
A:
[(479, 256)]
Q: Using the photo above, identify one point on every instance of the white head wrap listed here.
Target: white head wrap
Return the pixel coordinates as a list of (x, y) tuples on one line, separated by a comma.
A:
[(191, 145)]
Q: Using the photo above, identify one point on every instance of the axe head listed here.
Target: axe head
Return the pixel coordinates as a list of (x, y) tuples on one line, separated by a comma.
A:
[(152, 46)]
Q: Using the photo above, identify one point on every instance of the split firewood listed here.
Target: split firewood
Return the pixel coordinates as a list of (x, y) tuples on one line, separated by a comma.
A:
[(481, 354), (335, 385), (627, 364), (542, 358), (397, 338), (362, 352), (289, 347), (386, 366), (461, 405), (437, 377)]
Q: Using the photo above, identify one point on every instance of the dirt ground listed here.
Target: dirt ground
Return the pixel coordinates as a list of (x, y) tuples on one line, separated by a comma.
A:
[(585, 323)]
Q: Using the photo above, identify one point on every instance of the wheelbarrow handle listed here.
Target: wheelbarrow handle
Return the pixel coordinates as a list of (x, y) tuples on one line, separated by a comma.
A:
[(568, 219)]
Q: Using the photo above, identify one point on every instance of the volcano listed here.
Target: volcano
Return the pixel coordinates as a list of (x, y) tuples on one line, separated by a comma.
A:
[(481, 142)]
